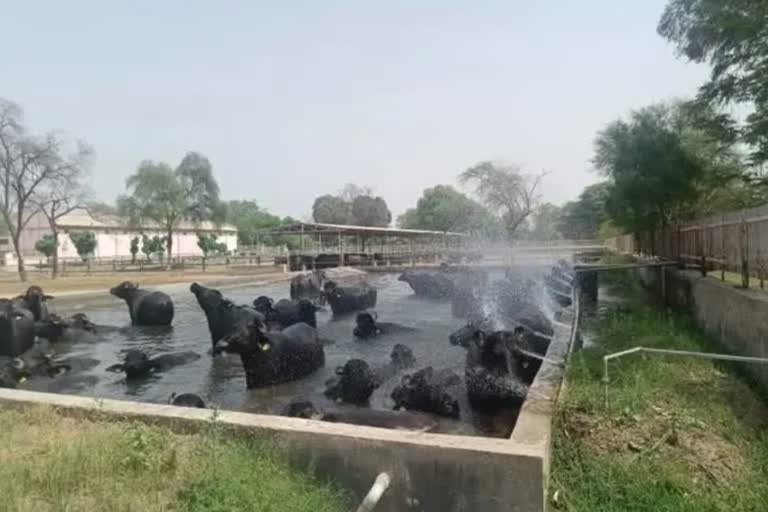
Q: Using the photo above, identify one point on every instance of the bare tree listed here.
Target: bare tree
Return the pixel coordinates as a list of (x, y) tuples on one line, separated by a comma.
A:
[(506, 190), (28, 165), (58, 197)]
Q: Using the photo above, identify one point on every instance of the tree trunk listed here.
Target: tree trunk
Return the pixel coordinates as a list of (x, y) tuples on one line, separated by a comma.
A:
[(55, 259), (20, 260), (169, 244)]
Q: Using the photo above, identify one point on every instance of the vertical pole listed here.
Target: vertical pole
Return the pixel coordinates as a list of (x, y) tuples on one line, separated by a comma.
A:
[(723, 254)]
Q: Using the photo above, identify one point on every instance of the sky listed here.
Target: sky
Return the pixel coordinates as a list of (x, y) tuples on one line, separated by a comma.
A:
[(291, 100)]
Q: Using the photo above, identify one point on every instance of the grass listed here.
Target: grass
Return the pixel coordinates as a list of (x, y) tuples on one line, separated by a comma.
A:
[(50, 462), (679, 434)]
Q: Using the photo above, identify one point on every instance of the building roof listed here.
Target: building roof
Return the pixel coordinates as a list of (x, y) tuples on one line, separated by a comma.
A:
[(82, 219), (343, 229)]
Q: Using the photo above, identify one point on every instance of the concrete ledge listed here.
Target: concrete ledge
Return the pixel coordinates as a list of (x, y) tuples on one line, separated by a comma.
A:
[(738, 318)]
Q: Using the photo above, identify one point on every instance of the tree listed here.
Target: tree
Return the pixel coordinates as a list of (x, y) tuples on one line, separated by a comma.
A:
[(59, 196), (661, 165), (443, 208), (154, 245), (506, 190), (732, 36), (27, 165), (249, 219), (209, 244), (370, 211), (167, 197), (581, 219), (546, 223), (46, 246), (350, 192), (84, 242), (330, 209), (134, 249)]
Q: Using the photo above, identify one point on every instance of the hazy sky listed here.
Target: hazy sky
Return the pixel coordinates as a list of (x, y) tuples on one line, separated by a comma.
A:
[(290, 100)]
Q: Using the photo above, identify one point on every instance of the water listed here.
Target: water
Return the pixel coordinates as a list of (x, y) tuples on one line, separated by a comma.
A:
[(221, 380)]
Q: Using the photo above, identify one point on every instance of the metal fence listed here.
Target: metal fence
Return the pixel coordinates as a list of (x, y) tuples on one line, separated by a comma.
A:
[(730, 242)]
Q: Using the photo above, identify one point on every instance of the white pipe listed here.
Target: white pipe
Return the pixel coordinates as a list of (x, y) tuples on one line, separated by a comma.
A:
[(371, 499)]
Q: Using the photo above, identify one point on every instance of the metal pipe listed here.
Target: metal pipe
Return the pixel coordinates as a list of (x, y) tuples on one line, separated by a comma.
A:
[(669, 352), (371, 499)]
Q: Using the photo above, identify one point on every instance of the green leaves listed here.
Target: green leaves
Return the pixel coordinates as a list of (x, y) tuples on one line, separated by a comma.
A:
[(46, 246), (443, 208), (354, 205)]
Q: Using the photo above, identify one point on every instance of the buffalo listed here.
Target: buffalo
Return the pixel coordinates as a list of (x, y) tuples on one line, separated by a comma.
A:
[(223, 316), (429, 391), (34, 300), (433, 285), (275, 357), (354, 384), (17, 328), (285, 313), (398, 420), (348, 299), (308, 286), (187, 400), (144, 306), (367, 326), (137, 364)]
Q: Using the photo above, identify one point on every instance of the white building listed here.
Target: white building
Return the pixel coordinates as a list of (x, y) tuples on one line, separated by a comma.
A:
[(113, 235)]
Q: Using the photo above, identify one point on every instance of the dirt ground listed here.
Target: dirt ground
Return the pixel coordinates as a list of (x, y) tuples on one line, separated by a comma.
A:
[(11, 285)]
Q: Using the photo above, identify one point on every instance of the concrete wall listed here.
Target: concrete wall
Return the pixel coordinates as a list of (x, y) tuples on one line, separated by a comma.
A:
[(737, 318)]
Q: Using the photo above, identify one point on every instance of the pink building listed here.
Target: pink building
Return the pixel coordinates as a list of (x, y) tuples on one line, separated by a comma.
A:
[(113, 235)]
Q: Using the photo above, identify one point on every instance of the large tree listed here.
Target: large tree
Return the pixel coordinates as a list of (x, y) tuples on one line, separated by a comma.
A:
[(582, 218), (330, 209), (352, 205), (504, 189), (661, 165), (732, 36), (30, 165), (166, 197), (545, 222), (249, 219), (443, 208)]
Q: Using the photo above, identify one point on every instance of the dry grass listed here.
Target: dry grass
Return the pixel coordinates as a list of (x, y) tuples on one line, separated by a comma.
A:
[(10, 285), (50, 462)]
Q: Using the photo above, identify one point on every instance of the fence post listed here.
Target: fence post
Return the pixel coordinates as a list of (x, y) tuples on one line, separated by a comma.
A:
[(744, 253)]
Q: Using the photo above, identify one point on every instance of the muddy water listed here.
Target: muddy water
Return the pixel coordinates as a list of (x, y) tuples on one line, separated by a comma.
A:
[(221, 380)]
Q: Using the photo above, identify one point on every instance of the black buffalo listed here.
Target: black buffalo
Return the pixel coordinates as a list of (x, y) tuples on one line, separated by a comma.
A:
[(434, 285), (17, 328), (400, 359), (187, 400), (224, 317), (145, 307), (354, 383), (275, 357), (285, 313), (76, 328), (398, 420), (430, 391), (308, 286), (347, 299), (137, 364), (367, 326), (34, 300)]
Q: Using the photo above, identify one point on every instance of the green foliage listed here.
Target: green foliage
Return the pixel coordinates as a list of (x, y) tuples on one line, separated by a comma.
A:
[(209, 244), (443, 208), (545, 223), (46, 246), (732, 36), (581, 219), (249, 219), (662, 166), (152, 246), (85, 243), (354, 205), (134, 248), (505, 190)]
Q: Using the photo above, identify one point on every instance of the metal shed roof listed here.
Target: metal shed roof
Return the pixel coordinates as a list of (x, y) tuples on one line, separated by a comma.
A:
[(308, 228)]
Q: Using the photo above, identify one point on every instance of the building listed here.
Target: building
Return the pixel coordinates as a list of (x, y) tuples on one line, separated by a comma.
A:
[(114, 235)]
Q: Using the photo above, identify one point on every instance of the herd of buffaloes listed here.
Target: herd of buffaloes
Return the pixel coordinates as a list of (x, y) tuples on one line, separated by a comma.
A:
[(277, 341)]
